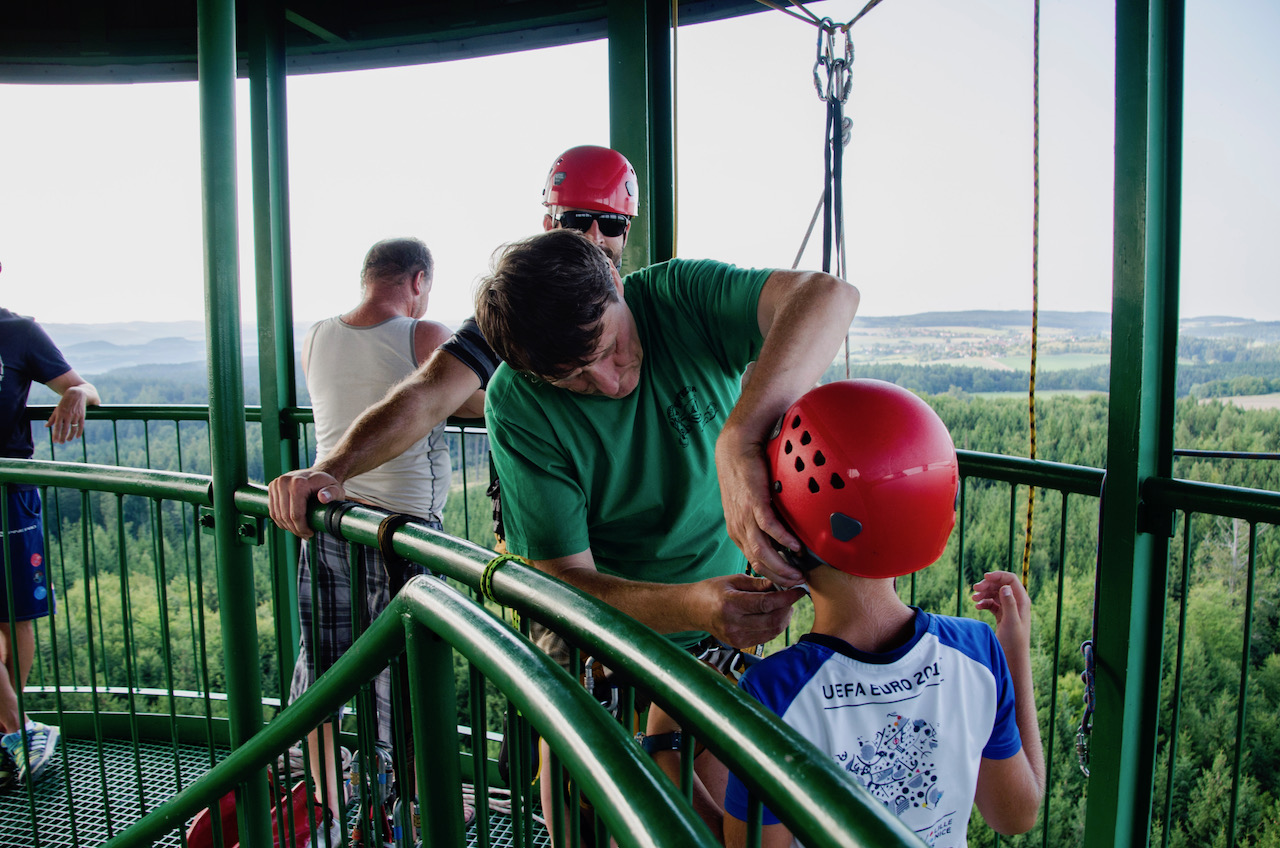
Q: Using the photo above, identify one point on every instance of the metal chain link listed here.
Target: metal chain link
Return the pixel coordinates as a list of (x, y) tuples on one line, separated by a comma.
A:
[(838, 70)]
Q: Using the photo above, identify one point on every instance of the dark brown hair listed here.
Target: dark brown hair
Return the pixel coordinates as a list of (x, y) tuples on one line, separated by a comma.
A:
[(540, 307)]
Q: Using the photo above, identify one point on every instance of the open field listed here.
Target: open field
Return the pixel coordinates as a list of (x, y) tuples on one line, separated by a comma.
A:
[(1055, 361), (1041, 393), (1271, 401)]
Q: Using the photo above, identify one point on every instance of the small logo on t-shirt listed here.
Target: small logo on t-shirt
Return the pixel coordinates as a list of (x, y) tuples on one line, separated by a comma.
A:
[(36, 560), (690, 413)]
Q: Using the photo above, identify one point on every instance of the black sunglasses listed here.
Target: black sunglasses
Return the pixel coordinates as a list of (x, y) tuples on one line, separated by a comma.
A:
[(611, 224)]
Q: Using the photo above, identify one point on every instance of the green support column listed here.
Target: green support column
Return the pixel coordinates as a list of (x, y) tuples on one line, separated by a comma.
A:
[(431, 689), (217, 73), (661, 132), (276, 376), (640, 120), (1134, 545)]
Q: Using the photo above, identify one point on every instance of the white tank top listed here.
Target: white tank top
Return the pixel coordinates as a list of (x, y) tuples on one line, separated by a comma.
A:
[(348, 370)]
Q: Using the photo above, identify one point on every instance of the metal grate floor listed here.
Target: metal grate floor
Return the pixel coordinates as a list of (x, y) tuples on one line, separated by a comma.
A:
[(82, 800)]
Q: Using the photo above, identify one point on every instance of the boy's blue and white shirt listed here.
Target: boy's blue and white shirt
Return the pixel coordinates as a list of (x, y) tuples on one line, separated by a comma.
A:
[(911, 726)]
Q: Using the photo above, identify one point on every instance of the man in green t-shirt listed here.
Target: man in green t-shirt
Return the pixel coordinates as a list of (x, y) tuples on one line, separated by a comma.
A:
[(627, 445)]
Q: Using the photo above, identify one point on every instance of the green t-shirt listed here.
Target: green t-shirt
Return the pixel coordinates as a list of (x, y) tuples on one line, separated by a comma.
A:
[(634, 479)]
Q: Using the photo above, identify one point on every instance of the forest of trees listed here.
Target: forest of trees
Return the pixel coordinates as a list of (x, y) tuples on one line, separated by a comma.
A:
[(114, 564)]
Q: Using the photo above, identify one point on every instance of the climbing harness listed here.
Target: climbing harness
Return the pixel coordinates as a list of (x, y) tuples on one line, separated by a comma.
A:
[(730, 661), (660, 742), (602, 685)]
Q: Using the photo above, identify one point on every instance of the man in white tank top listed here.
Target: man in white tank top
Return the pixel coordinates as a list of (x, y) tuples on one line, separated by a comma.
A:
[(350, 362)]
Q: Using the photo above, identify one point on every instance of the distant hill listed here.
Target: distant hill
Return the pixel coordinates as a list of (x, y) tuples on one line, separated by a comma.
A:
[(1081, 323), (1084, 323), (99, 357), (95, 349), (1220, 327)]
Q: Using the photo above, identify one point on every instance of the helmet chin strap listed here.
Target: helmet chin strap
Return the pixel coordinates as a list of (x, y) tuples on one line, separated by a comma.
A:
[(803, 560)]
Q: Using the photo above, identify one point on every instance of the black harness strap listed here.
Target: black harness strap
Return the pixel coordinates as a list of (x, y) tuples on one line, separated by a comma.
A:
[(396, 564), (333, 516)]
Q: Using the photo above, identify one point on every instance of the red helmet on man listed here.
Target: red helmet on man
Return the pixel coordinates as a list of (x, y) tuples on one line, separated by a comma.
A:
[(865, 474), (593, 178)]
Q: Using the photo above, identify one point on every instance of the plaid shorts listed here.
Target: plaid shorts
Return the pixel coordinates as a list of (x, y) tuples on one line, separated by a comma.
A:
[(325, 612)]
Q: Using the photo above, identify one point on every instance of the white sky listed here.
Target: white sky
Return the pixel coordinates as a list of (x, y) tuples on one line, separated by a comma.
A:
[(100, 192)]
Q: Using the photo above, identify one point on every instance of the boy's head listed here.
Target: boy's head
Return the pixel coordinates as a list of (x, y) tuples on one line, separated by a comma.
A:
[(865, 474)]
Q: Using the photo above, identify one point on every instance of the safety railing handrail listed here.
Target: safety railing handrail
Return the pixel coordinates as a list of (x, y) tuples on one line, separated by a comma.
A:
[(197, 412), (639, 803), (1253, 505), (810, 794), (1074, 479), (527, 590), (135, 412), (168, 485)]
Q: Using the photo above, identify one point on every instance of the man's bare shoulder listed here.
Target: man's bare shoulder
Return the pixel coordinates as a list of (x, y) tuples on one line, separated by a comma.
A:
[(429, 335)]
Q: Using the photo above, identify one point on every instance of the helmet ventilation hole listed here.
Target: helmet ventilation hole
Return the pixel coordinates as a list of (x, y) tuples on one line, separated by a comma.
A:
[(805, 438), (813, 486), (819, 459), (787, 447), (837, 482), (795, 422), (799, 464)]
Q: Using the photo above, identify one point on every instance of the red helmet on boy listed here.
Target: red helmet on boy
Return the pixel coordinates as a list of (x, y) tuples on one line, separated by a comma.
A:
[(865, 474), (594, 178)]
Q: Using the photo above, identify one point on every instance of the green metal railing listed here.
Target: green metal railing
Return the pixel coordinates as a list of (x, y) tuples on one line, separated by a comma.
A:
[(100, 690), (610, 769)]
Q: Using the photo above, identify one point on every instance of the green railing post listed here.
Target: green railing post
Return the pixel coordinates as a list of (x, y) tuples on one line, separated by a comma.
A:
[(661, 126), (276, 378), (431, 689), (640, 120), (216, 24), (1135, 538)]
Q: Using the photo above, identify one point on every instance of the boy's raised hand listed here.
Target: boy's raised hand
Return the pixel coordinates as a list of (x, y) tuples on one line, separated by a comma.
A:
[(1002, 594)]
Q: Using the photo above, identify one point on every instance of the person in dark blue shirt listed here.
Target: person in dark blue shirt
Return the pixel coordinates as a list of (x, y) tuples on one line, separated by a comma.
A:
[(27, 355)]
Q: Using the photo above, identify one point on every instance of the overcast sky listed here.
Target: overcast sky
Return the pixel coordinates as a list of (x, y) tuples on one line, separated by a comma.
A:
[(100, 193)]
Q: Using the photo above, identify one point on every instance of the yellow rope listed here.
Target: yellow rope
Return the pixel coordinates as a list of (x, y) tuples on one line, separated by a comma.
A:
[(1035, 278), (486, 579)]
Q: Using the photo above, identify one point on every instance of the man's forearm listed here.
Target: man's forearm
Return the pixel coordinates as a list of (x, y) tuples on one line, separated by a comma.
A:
[(661, 606), (409, 412), (736, 609)]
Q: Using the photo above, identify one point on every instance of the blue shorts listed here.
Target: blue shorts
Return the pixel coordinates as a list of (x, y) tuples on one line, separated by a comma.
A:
[(24, 536)]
